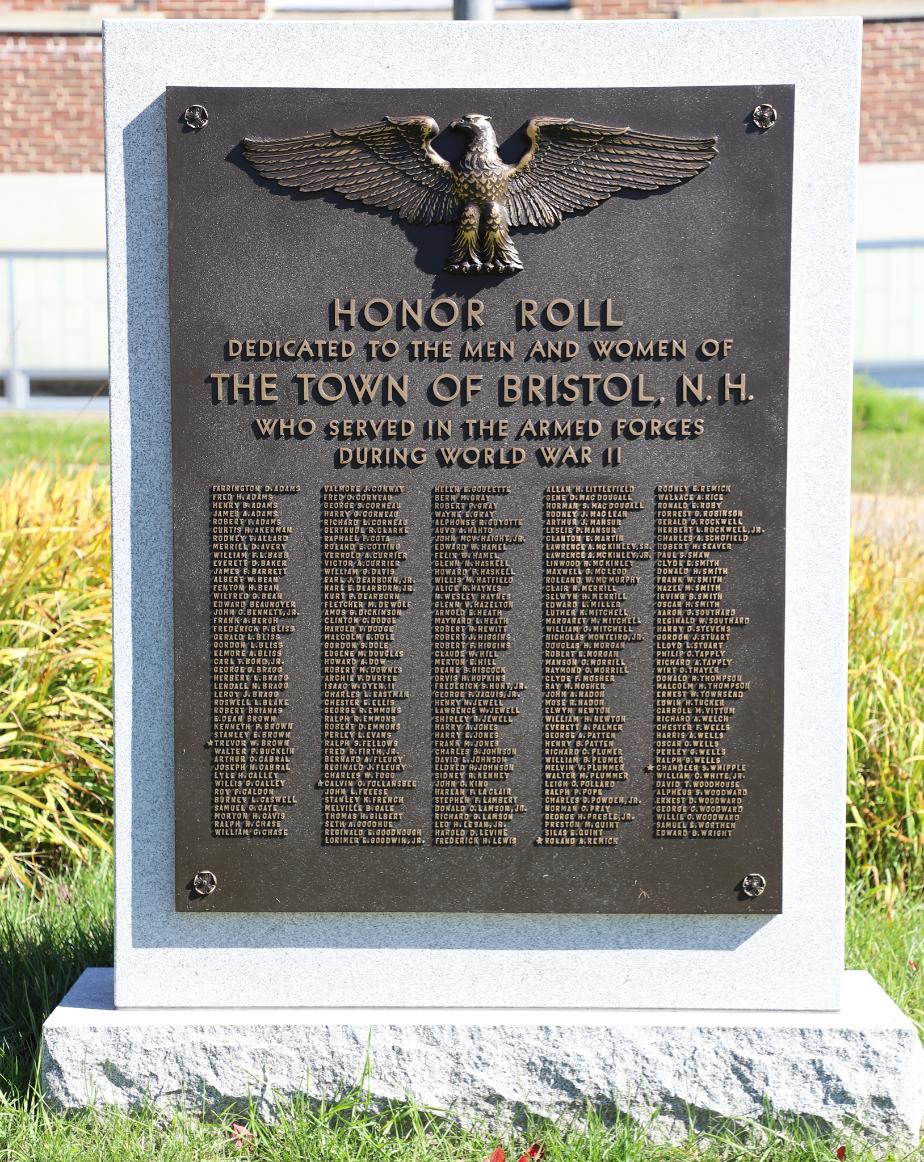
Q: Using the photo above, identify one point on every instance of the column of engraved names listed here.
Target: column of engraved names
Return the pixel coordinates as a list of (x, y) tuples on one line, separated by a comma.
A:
[(696, 791), (364, 596), (251, 748), (587, 568), (472, 698)]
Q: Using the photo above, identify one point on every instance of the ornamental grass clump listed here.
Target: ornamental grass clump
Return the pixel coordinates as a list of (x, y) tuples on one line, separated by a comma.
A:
[(55, 670), (885, 733)]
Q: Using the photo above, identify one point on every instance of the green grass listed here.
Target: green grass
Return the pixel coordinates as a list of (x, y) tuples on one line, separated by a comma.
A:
[(48, 935), (890, 462), (351, 1131), (876, 409), (888, 440), (69, 440)]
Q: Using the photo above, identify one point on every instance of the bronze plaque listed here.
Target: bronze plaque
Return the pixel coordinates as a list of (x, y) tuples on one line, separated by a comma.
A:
[(479, 463)]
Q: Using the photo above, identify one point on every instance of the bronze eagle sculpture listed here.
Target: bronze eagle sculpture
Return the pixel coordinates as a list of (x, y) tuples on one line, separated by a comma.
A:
[(569, 166)]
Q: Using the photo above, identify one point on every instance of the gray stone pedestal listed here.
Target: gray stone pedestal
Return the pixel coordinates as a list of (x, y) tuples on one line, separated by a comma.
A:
[(861, 1068)]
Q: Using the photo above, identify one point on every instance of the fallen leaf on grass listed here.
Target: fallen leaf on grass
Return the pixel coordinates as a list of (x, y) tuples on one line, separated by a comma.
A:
[(240, 1135), (536, 1150)]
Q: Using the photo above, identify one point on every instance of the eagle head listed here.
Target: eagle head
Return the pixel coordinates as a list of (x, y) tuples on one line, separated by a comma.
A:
[(477, 126)]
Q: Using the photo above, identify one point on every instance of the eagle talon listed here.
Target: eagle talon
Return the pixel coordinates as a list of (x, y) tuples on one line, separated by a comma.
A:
[(501, 267)]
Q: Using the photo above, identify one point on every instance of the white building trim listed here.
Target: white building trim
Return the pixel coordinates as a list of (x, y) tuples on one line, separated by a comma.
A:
[(890, 195), (61, 212)]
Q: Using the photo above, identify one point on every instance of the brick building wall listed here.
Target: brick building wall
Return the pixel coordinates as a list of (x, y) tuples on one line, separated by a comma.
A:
[(51, 92), (892, 107), (50, 104), (51, 89), (892, 110)]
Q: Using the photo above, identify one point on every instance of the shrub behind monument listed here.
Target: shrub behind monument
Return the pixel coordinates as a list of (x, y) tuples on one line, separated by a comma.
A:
[(55, 669)]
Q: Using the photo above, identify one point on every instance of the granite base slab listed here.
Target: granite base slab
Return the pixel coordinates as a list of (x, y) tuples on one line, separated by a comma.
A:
[(861, 1068)]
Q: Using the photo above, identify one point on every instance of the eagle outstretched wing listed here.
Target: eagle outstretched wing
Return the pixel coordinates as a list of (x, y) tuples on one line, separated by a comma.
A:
[(390, 164), (574, 165)]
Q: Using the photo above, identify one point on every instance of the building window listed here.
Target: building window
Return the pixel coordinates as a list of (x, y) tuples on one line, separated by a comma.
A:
[(889, 338), (92, 388), (53, 341)]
